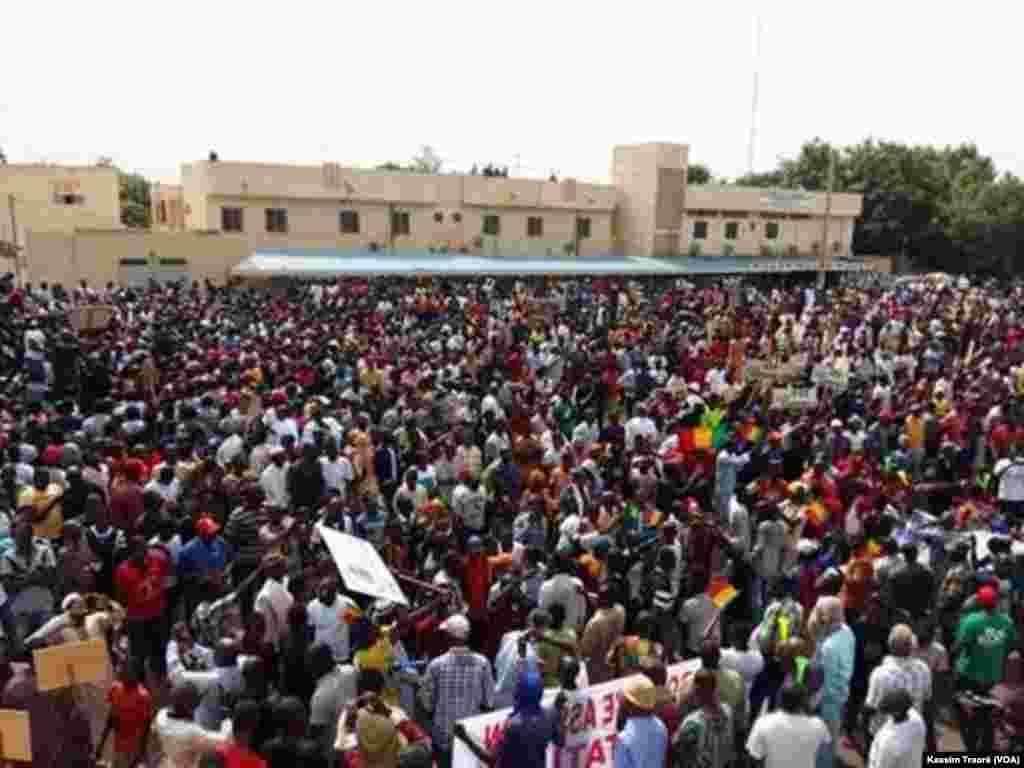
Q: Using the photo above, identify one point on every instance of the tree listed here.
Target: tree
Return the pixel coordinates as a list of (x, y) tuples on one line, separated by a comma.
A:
[(697, 173), (944, 207), (136, 206), (427, 161)]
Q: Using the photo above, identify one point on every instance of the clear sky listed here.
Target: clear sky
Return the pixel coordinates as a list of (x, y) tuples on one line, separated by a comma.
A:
[(153, 85)]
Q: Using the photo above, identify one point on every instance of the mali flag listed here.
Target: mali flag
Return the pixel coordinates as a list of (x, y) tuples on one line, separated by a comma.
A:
[(721, 592)]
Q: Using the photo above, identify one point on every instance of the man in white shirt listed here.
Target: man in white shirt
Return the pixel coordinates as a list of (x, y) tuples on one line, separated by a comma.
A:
[(899, 671), (336, 688), (468, 504), (900, 742), (640, 425), (233, 446), (337, 470), (326, 615), (274, 479), (567, 591), (787, 737), (274, 601), (1010, 473)]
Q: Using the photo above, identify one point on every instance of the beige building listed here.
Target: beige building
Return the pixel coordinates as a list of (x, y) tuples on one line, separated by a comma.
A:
[(221, 212)]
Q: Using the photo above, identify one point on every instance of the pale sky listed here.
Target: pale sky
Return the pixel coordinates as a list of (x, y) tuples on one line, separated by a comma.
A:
[(558, 83)]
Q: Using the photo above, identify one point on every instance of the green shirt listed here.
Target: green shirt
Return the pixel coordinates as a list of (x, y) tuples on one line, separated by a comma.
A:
[(985, 639)]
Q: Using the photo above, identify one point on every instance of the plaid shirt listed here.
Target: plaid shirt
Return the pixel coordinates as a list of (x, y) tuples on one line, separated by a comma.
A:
[(457, 685)]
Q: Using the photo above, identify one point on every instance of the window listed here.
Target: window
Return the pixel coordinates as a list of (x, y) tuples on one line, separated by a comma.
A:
[(163, 212), (173, 263), (492, 225), (231, 220), (582, 228), (732, 230), (134, 262), (534, 226), (457, 217), (771, 230), (700, 230), (400, 223), (69, 199), (277, 220), (439, 217), (349, 222)]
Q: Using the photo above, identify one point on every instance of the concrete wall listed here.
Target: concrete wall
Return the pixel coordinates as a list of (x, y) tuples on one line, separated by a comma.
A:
[(36, 188)]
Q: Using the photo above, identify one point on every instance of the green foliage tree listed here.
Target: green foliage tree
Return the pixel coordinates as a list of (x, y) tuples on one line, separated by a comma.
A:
[(136, 206), (697, 173), (945, 207), (426, 161)]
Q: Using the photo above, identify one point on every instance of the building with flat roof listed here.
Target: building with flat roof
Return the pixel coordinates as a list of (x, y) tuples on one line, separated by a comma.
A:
[(222, 212)]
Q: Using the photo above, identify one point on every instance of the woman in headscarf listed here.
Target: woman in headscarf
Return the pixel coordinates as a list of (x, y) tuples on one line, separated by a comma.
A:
[(528, 731)]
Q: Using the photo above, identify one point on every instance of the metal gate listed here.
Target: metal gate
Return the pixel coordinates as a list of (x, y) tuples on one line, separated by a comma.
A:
[(137, 273)]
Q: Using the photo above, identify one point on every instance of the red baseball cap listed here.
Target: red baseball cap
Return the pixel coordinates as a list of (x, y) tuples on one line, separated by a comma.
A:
[(207, 526), (987, 598)]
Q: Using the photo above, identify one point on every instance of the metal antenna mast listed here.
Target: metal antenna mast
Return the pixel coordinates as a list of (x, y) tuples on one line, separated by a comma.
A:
[(754, 98)]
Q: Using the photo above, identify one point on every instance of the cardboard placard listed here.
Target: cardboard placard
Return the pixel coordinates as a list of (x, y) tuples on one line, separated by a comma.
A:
[(15, 736), (67, 664), (790, 397), (91, 317)]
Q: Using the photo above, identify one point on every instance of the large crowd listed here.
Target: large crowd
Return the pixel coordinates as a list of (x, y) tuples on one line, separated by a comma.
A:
[(815, 496)]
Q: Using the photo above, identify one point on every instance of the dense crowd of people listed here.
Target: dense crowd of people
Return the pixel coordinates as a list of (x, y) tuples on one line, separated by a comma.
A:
[(815, 495)]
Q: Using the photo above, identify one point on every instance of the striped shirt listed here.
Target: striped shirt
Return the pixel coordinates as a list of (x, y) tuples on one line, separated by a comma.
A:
[(243, 532), (909, 673), (457, 685)]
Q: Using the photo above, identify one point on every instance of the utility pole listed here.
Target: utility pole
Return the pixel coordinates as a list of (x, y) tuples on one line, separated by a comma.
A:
[(14, 239), (823, 256), (754, 97)]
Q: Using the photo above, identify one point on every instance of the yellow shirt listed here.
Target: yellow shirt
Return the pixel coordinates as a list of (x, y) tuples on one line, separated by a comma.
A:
[(915, 432), (50, 526)]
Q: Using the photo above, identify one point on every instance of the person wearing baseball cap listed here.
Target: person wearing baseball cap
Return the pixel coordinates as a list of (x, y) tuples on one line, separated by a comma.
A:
[(984, 638), (457, 685)]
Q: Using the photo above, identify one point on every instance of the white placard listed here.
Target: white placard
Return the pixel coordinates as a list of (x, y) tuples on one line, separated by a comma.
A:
[(590, 724), (790, 397), (361, 566)]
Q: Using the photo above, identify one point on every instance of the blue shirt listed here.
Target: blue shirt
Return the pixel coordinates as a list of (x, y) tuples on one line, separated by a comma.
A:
[(525, 741), (643, 743), (199, 558), (836, 656)]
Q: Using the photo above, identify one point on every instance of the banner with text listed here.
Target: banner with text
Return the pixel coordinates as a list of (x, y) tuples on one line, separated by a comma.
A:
[(590, 721)]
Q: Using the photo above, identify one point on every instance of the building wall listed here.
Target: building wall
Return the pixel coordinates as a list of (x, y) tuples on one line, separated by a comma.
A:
[(799, 216), (42, 194), (169, 211)]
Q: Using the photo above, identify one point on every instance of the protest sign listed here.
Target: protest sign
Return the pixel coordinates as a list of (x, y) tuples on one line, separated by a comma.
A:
[(67, 664), (790, 397), (15, 736), (91, 317), (360, 566), (590, 722), (833, 378)]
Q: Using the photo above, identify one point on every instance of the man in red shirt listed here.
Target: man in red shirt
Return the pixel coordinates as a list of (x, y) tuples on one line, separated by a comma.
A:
[(238, 753), (131, 709), (126, 502), (139, 581)]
